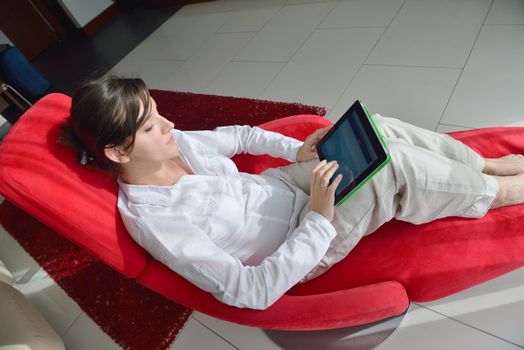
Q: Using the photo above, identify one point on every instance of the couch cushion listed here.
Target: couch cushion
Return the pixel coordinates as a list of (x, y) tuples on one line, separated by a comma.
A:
[(315, 311), (45, 179)]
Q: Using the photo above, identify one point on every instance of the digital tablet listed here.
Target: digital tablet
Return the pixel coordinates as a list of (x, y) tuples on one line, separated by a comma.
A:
[(357, 146)]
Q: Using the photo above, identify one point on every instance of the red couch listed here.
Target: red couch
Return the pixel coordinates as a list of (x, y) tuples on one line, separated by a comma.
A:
[(398, 263)]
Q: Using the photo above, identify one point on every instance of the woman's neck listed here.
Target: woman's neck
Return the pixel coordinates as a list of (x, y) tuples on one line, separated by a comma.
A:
[(163, 174)]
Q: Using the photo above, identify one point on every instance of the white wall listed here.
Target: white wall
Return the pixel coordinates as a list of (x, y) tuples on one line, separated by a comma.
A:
[(83, 11), (4, 39)]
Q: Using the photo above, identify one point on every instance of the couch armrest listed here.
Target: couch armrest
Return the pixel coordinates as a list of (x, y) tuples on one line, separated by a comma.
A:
[(342, 308)]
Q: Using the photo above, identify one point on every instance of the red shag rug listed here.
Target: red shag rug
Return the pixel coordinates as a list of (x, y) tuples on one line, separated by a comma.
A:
[(204, 112), (133, 316)]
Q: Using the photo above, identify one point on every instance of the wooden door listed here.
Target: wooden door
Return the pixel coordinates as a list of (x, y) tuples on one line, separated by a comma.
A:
[(26, 27)]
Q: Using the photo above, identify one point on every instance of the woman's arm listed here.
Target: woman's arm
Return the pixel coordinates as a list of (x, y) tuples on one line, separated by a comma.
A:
[(231, 140), (188, 251)]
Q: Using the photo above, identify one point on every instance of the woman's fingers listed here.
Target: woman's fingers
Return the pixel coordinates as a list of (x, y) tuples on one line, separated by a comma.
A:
[(325, 129), (318, 166), (334, 184), (323, 172), (328, 174), (322, 132), (317, 135), (321, 168)]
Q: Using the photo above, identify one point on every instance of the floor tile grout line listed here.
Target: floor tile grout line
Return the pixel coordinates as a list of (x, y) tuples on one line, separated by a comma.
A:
[(300, 47), (238, 32), (211, 11), (396, 330), (216, 333), (181, 330), (503, 24), (318, 28), (386, 28), (258, 61), (309, 36), (327, 15), (73, 323), (207, 40), (261, 94), (176, 34), (281, 4), (166, 59), (309, 3), (465, 64), (215, 33), (70, 298), (243, 46), (409, 66), (279, 8), (456, 125), (234, 12), (351, 27), (30, 273), (367, 57), (191, 7), (229, 62), (257, 32), (468, 325)]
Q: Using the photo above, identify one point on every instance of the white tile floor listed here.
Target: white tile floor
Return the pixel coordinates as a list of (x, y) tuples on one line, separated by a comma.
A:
[(441, 64)]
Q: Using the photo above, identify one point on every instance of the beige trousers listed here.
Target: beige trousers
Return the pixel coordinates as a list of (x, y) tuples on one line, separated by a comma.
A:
[(430, 176)]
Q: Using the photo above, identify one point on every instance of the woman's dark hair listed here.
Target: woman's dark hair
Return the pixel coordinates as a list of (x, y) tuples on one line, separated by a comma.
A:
[(105, 113)]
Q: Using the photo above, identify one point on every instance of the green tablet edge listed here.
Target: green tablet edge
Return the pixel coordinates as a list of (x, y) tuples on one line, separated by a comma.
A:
[(388, 158)]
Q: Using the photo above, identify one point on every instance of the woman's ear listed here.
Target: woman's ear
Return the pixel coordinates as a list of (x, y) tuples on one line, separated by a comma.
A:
[(116, 154)]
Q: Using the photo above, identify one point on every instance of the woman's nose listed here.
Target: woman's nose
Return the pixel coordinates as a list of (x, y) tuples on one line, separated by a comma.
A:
[(168, 125)]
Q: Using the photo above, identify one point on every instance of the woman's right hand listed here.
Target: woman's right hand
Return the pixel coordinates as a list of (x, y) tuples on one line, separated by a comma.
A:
[(322, 198)]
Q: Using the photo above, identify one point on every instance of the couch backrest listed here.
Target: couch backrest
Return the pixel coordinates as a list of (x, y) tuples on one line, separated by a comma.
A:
[(45, 179)]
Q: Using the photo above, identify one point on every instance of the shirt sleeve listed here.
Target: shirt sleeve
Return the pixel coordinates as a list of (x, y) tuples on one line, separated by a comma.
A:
[(188, 251), (231, 140)]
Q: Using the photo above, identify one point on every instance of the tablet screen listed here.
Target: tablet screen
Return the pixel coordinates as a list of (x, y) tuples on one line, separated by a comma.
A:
[(357, 148), (351, 148)]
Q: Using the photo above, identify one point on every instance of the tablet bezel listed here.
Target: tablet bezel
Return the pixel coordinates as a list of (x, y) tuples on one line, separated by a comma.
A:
[(376, 141)]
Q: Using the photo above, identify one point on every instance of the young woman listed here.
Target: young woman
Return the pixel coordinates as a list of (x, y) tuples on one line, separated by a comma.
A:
[(248, 238)]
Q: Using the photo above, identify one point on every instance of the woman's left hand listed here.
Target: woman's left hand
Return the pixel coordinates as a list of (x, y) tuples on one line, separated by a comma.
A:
[(308, 150)]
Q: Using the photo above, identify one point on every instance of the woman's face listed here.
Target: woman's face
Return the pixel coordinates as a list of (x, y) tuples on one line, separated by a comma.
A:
[(154, 141)]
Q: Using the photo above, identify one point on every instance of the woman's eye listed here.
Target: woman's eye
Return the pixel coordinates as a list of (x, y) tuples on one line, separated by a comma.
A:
[(149, 129)]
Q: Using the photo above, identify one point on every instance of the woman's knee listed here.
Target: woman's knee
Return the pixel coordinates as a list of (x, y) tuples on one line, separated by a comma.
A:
[(399, 149), (390, 128), (404, 158)]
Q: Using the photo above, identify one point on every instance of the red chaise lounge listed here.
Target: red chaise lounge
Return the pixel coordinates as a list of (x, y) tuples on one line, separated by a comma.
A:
[(388, 269)]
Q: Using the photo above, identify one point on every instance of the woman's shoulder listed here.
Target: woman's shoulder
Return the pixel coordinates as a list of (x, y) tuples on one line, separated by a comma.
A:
[(131, 194)]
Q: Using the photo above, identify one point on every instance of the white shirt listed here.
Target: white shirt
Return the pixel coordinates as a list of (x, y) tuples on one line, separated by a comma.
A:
[(233, 234)]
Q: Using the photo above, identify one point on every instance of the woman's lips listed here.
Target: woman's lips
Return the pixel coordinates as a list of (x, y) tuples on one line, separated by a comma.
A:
[(171, 140)]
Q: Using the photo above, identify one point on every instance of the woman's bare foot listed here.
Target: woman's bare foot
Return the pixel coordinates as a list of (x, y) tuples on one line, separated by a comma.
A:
[(512, 156), (511, 191), (511, 164)]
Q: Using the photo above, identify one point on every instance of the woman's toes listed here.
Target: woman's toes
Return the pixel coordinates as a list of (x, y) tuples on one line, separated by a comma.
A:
[(511, 164), (512, 157)]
